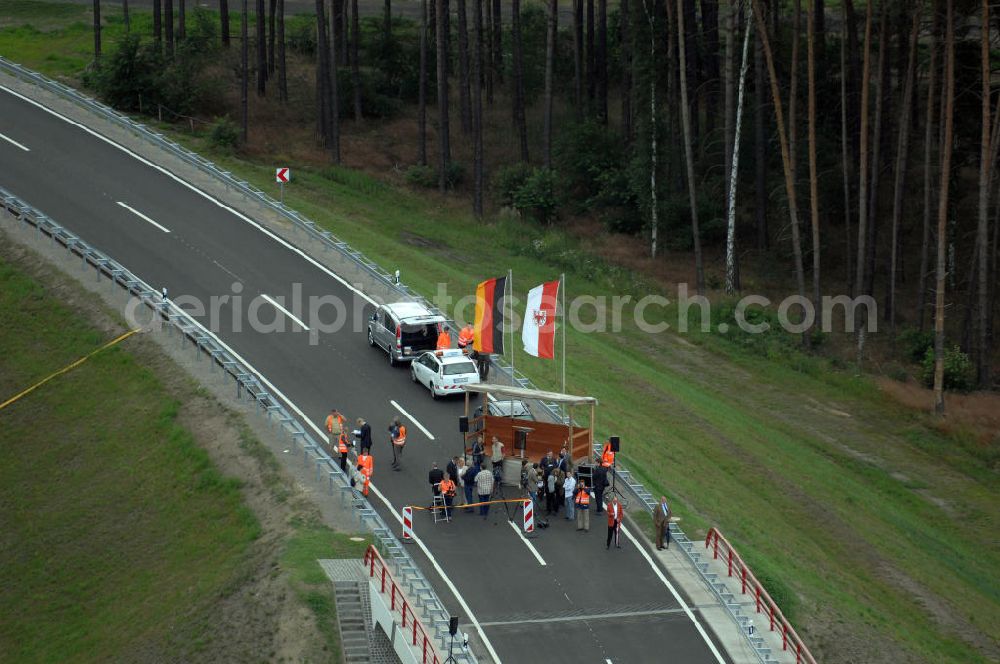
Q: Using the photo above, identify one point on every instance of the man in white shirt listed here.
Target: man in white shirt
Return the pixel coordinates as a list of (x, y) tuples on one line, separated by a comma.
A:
[(569, 484)]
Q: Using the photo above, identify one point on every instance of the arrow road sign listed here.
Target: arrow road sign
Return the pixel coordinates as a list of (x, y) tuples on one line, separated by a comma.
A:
[(282, 175)]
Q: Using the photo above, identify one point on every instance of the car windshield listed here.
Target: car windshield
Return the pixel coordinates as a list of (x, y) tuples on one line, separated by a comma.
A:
[(459, 368)]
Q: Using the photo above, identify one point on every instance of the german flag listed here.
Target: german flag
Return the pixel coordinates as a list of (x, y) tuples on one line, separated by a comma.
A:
[(488, 326)]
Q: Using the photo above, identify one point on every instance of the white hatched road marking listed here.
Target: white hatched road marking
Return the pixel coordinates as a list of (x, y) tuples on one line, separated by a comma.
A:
[(143, 217), (412, 419), (14, 143), (285, 311)]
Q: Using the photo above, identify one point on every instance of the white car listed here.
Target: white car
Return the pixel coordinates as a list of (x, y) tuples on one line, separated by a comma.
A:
[(444, 372)]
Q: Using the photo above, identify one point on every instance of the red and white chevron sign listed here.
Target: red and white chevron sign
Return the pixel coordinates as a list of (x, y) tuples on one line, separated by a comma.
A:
[(282, 175), (407, 523), (529, 517)]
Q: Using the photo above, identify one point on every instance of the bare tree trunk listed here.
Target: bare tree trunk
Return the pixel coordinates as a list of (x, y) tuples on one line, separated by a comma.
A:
[(157, 24), (813, 175), (444, 137), (602, 61), (793, 90), (625, 57), (387, 22), (261, 50), (489, 62), (245, 70), (760, 148), (985, 175), (477, 110), (97, 30), (272, 36), (333, 50), (793, 212), (550, 56), (732, 266), (519, 120), (928, 165), (688, 153), (355, 59), (820, 11), (728, 94), (223, 21), (464, 103), (863, 176), (282, 65), (591, 54), (578, 57), (876, 165), (949, 94), (902, 153), (422, 93), (181, 20), (710, 63), (845, 156), (498, 42), (168, 24)]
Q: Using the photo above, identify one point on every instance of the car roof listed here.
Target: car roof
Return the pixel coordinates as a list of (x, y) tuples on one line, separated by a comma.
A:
[(407, 310), (451, 356)]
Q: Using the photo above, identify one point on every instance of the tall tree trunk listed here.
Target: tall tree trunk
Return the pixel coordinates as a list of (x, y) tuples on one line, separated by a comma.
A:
[(550, 56), (876, 165), (692, 56), (223, 20), (355, 59), (578, 57), (282, 65), (732, 262), (688, 153), (333, 51), (125, 16), (465, 108), (819, 7), (983, 354), (846, 160), (477, 110), (97, 29), (760, 147), (245, 70), (272, 36), (591, 54), (710, 39), (422, 89), (168, 24), (728, 92), (497, 42), (654, 156), (929, 132), (602, 61), (813, 175), (261, 50), (793, 90), (344, 25), (949, 101), (444, 132), (793, 211), (387, 22), (859, 280), (854, 77), (157, 24), (519, 121), (902, 153), (625, 57), (181, 20), (488, 63)]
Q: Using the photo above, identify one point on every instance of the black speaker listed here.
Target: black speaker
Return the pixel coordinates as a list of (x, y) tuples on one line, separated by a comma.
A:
[(520, 439), (463, 424), (453, 625), (616, 443)]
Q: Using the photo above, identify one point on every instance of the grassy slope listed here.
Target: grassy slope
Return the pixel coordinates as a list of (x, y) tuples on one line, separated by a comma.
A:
[(849, 505), (116, 525)]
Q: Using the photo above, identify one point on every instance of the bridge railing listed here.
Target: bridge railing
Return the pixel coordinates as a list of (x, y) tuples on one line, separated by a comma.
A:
[(763, 603), (249, 386)]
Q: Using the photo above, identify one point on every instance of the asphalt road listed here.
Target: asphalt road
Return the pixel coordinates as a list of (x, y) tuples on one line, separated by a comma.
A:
[(586, 604)]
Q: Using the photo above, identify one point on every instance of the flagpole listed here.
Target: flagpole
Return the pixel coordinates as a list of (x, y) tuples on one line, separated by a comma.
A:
[(510, 301), (562, 288)]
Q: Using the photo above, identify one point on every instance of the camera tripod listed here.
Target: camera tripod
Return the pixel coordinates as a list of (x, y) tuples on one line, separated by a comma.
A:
[(498, 494)]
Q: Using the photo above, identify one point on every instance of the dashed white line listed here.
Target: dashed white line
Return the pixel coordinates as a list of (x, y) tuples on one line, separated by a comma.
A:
[(412, 419), (14, 143), (531, 547), (143, 217), (285, 311)]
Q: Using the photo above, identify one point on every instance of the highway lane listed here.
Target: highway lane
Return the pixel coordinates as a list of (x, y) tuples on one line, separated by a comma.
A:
[(210, 252)]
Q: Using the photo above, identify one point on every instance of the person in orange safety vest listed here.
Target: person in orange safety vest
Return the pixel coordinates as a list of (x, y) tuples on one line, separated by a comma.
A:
[(397, 434), (466, 337), (342, 448), (365, 466), (334, 426), (444, 339), (582, 501), (607, 455), (447, 488)]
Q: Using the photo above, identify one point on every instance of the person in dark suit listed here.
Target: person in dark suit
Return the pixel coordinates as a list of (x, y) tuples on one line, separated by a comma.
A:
[(365, 435), (600, 484)]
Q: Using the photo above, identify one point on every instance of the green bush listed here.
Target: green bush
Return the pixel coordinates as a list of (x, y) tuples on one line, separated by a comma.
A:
[(508, 180), (224, 135), (300, 34), (537, 198), (958, 371), (915, 343), (454, 174), (421, 176)]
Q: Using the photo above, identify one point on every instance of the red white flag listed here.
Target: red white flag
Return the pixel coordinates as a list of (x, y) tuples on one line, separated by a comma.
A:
[(539, 330)]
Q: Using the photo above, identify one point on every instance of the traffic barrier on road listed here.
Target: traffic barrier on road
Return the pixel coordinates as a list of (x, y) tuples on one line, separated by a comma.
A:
[(407, 523), (529, 516)]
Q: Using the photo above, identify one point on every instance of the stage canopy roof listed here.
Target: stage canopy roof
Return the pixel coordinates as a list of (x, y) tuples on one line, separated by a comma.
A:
[(510, 392)]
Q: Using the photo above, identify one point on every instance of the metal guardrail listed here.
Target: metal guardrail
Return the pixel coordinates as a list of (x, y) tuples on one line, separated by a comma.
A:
[(249, 385), (329, 241)]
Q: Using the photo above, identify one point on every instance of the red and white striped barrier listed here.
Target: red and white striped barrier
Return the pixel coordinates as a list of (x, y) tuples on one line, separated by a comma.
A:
[(529, 517), (407, 523)]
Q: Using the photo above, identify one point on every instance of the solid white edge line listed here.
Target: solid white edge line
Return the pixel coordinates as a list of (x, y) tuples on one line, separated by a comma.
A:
[(677, 596), (534, 551), (285, 311), (310, 423), (206, 196), (412, 419), (143, 217), (14, 143)]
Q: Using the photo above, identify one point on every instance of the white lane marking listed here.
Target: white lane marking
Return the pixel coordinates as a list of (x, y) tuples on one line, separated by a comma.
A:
[(607, 661), (285, 311), (206, 196), (228, 271), (14, 143), (143, 217), (412, 419), (677, 596), (531, 547)]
